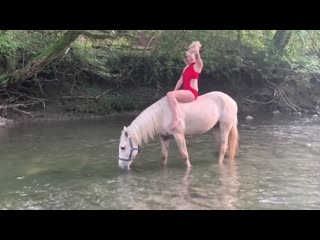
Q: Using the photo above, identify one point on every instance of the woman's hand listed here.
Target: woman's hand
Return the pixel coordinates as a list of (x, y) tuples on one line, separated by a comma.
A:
[(195, 44)]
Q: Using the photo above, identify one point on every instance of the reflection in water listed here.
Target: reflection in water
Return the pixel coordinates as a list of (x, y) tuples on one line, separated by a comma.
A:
[(186, 190), (125, 191), (73, 165), (228, 176)]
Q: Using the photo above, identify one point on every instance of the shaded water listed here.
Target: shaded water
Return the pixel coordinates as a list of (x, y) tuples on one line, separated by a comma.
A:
[(73, 165)]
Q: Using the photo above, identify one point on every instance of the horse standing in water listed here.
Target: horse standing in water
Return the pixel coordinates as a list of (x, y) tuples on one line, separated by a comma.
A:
[(197, 117)]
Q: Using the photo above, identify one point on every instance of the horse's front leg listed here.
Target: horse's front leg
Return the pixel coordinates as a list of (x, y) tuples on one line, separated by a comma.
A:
[(181, 143), (165, 141)]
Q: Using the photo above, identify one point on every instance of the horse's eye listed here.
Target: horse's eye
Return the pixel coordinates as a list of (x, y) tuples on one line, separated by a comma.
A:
[(123, 148)]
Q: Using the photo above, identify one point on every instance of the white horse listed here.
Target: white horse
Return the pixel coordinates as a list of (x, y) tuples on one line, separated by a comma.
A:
[(197, 117)]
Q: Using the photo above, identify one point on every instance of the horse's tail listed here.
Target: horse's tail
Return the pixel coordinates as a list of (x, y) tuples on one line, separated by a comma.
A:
[(233, 139)]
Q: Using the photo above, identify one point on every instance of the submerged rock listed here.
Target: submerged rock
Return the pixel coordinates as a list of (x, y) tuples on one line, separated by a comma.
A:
[(247, 127), (5, 122), (249, 118), (275, 112)]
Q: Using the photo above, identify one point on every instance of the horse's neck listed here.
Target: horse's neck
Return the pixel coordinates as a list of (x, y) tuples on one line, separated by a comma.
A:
[(135, 133), (146, 124)]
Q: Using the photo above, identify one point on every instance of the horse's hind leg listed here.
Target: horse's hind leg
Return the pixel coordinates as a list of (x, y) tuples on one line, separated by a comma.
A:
[(165, 141), (181, 142), (224, 133), (216, 133)]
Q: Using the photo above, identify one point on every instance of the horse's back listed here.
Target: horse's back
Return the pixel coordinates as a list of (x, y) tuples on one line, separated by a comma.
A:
[(217, 95), (225, 105), (215, 99), (202, 114)]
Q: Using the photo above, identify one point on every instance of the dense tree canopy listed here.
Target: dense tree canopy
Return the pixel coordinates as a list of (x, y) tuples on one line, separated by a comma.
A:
[(31, 60)]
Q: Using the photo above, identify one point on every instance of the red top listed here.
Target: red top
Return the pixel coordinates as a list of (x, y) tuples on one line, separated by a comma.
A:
[(189, 74)]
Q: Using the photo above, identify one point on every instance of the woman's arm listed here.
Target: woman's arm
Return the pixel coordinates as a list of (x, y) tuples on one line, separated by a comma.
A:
[(179, 83), (195, 48)]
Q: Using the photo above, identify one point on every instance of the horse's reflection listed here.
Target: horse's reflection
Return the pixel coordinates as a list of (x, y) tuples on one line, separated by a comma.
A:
[(125, 191), (195, 195), (167, 190), (173, 189), (185, 201), (230, 186)]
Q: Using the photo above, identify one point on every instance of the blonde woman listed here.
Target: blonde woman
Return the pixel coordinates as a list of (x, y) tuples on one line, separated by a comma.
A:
[(189, 79)]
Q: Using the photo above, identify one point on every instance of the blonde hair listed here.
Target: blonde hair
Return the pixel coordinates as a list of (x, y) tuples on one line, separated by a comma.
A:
[(194, 44)]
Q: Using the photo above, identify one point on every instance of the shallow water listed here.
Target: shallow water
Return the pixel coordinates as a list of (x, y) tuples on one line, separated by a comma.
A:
[(73, 165)]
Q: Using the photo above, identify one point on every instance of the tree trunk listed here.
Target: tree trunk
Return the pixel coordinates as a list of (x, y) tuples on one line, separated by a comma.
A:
[(281, 39), (239, 37), (41, 61)]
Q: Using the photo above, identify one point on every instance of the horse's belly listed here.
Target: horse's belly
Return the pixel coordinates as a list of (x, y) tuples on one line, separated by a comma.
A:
[(199, 122)]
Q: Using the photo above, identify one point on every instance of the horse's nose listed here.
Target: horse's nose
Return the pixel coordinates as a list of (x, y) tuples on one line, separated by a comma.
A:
[(123, 166)]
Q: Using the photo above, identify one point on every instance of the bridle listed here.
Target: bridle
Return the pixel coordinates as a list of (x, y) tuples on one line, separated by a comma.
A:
[(131, 151)]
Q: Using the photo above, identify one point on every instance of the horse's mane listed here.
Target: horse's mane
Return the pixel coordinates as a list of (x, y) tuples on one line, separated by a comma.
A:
[(147, 124)]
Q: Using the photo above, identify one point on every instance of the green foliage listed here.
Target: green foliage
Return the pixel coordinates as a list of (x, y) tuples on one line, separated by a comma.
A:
[(18, 47), (7, 43), (308, 66), (152, 60), (117, 62), (88, 103), (128, 100)]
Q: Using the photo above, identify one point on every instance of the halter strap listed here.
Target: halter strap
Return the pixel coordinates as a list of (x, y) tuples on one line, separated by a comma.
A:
[(131, 151)]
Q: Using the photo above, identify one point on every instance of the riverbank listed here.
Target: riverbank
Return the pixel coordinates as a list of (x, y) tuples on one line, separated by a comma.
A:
[(53, 113), (99, 103)]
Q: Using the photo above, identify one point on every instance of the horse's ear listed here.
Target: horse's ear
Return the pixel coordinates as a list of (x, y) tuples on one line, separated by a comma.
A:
[(125, 131)]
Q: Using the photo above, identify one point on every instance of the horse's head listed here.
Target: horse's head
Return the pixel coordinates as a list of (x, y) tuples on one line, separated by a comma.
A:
[(127, 150)]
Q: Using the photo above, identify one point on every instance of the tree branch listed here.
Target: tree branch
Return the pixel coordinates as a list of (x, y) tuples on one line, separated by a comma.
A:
[(42, 60), (252, 101), (105, 34), (96, 35), (86, 97), (284, 97), (23, 112)]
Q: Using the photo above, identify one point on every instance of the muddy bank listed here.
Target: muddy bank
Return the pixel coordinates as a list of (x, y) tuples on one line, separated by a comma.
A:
[(254, 98), (48, 116), (246, 114)]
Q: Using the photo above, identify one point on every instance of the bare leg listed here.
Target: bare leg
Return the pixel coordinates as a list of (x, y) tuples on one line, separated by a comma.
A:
[(181, 142), (165, 141), (173, 98), (174, 106)]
